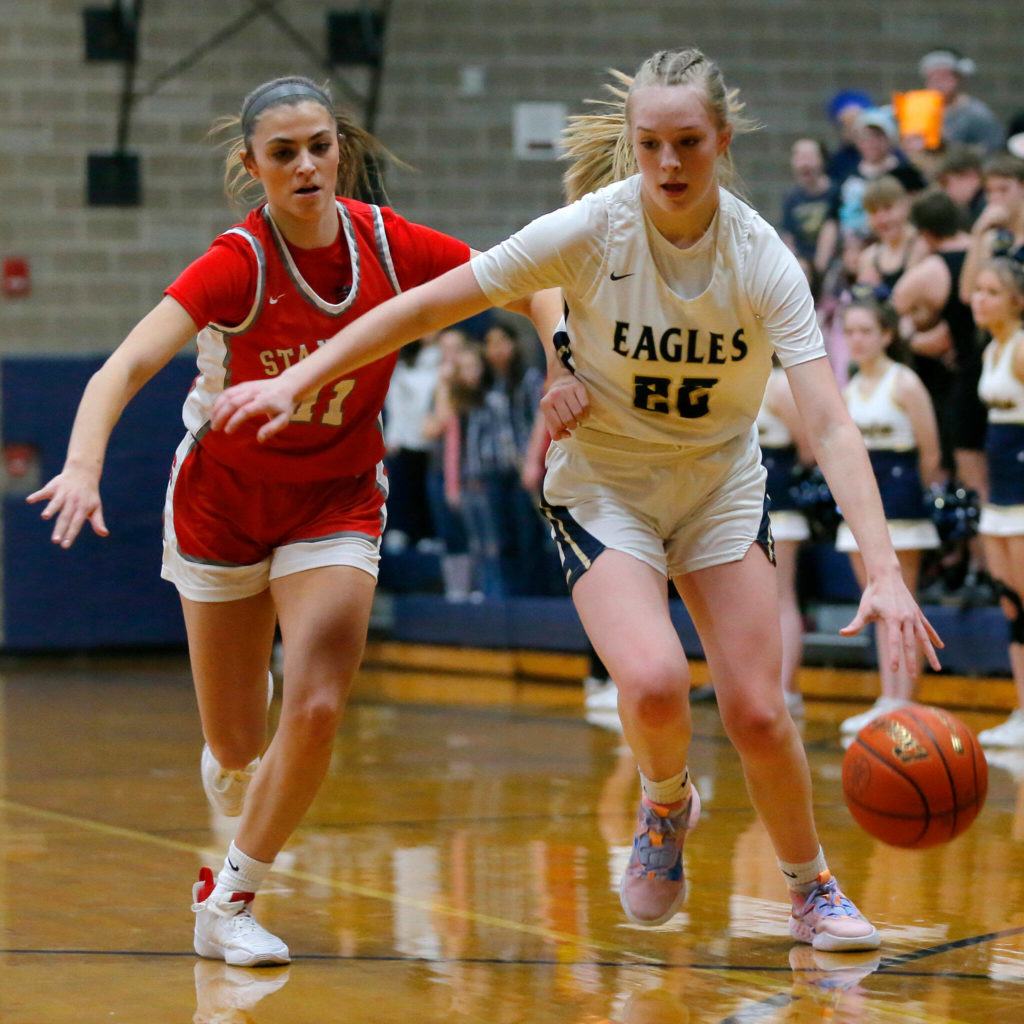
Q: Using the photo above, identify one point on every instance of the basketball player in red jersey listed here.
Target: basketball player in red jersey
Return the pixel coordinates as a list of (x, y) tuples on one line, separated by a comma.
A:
[(287, 532)]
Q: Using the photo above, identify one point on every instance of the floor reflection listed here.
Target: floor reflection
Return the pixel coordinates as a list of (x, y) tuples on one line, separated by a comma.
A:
[(461, 865)]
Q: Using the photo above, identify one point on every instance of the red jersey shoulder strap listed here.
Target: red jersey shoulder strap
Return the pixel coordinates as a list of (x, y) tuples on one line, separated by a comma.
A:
[(261, 283), (380, 237)]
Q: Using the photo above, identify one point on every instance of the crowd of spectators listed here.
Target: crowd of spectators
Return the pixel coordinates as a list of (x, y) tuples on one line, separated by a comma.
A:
[(460, 423), (903, 202), (918, 190)]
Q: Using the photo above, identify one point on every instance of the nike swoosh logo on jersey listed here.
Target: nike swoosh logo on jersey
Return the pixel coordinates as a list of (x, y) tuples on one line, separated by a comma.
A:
[(619, 277), (275, 299)]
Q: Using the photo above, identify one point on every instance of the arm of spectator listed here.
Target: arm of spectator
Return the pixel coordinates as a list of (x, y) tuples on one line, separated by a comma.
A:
[(919, 296), (866, 272), (995, 215), (827, 247), (935, 341), (436, 421)]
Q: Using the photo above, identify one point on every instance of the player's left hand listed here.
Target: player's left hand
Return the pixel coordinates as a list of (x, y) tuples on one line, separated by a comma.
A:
[(565, 405), (888, 602), (270, 398)]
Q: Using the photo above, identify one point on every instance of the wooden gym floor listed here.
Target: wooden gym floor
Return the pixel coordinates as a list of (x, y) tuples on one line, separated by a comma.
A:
[(461, 863)]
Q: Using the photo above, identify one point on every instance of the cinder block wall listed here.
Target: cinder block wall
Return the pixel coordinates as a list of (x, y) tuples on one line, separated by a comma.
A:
[(96, 270)]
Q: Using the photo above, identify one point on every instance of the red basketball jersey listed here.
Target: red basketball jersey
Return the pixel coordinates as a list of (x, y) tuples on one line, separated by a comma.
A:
[(339, 432)]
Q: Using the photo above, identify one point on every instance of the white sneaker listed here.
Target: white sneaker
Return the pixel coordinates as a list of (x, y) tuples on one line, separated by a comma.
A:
[(882, 706), (1010, 759), (225, 789), (794, 703), (1008, 734), (604, 718), (600, 695), (227, 930)]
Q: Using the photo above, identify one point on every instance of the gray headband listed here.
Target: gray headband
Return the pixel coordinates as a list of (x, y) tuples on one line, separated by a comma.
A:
[(286, 90)]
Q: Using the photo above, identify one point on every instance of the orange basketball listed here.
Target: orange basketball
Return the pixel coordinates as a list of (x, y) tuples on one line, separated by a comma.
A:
[(915, 777)]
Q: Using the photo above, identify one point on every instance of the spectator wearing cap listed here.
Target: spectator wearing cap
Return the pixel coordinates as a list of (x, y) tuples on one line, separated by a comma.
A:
[(843, 109), (877, 139), (964, 118)]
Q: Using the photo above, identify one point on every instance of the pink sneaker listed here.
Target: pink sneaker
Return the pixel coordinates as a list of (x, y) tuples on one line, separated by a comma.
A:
[(827, 920), (653, 885)]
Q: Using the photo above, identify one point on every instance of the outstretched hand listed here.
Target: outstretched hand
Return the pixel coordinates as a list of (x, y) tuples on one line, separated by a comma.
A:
[(73, 496), (889, 603), (268, 398), (565, 405)]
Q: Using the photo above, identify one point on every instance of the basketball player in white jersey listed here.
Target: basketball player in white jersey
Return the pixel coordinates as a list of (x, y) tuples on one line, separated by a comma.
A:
[(676, 295)]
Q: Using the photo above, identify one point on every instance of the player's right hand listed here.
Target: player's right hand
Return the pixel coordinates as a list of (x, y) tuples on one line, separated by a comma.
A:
[(271, 399), (73, 496)]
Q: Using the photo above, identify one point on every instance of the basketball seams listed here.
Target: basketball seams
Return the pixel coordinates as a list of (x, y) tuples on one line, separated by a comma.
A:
[(901, 759), (937, 746), (925, 818)]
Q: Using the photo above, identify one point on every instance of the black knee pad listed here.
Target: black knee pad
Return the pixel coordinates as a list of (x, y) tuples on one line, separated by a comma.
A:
[(1016, 621)]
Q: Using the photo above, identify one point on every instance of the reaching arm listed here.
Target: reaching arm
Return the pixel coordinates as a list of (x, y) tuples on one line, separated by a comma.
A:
[(73, 495), (839, 450), (445, 300)]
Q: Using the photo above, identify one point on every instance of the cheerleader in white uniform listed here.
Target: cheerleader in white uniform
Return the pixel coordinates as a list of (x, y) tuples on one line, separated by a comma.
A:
[(998, 305), (784, 449), (676, 296), (892, 408)]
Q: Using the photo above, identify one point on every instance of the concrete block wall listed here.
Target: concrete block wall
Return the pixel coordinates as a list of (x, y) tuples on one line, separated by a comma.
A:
[(96, 270)]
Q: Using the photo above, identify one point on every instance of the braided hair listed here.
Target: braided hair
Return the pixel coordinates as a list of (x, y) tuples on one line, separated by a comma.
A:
[(599, 145)]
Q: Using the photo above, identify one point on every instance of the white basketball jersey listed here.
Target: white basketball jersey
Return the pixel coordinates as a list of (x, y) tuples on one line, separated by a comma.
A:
[(662, 370)]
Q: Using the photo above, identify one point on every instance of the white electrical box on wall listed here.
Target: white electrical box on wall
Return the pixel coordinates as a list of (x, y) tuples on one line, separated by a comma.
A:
[(537, 130)]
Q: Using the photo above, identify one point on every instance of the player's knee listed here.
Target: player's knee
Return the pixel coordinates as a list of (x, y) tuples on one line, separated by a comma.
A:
[(754, 726), (314, 716), (656, 689)]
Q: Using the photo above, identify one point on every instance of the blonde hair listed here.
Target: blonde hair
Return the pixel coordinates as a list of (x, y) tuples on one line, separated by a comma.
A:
[(360, 154), (599, 144), (1010, 274)]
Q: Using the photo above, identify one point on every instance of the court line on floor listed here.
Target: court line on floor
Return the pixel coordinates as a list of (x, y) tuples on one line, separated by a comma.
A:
[(134, 835), (886, 965)]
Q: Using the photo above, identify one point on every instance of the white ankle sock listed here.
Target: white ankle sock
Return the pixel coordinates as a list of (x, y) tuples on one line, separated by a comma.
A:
[(241, 873), (804, 876), (667, 791)]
